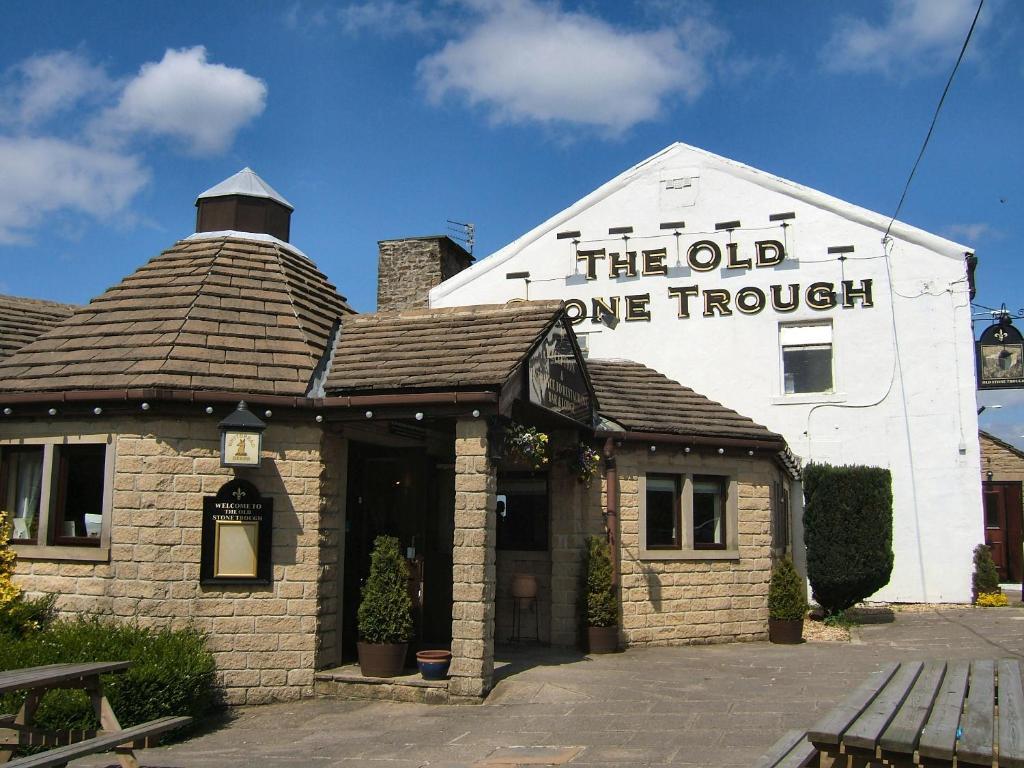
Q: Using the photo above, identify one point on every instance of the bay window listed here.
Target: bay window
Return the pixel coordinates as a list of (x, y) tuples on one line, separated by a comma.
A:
[(688, 516)]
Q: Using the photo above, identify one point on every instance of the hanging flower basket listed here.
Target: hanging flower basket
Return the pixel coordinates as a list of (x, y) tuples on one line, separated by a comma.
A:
[(528, 444), (584, 463)]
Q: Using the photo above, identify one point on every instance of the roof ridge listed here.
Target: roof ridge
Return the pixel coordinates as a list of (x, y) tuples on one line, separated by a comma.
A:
[(192, 305), (292, 303)]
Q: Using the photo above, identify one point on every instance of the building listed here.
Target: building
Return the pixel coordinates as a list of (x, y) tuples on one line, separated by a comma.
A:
[(847, 334), (142, 488), (1002, 468), (23, 320)]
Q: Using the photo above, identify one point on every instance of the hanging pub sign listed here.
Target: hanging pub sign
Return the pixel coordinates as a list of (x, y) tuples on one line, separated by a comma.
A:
[(1000, 357), (237, 527), (555, 379)]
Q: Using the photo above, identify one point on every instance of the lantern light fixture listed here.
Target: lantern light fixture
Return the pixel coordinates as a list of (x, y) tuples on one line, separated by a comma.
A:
[(241, 438)]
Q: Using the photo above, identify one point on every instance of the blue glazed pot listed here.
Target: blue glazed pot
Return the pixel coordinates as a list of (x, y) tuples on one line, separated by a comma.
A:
[(433, 665)]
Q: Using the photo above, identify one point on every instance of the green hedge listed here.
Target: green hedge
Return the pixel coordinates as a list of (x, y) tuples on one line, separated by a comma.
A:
[(848, 533), (385, 612), (172, 672), (985, 580), (786, 592), (602, 608)]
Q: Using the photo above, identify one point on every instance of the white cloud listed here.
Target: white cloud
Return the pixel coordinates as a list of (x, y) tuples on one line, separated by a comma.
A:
[(388, 18), (46, 85), (69, 132), (916, 35), (44, 175), (972, 233), (185, 97), (527, 62)]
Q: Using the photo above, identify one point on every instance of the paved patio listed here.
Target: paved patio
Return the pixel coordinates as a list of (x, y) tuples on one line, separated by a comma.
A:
[(693, 706)]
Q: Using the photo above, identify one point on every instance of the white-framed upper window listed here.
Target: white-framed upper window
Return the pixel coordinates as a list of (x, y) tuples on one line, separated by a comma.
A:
[(687, 515), (57, 492), (807, 361)]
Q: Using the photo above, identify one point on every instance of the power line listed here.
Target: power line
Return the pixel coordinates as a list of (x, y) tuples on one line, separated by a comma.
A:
[(935, 117)]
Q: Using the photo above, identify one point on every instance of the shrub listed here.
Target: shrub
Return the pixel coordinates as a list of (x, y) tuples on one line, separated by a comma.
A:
[(172, 672), (991, 600), (786, 592), (602, 609), (9, 591), (24, 616), (385, 613), (848, 532), (985, 580)]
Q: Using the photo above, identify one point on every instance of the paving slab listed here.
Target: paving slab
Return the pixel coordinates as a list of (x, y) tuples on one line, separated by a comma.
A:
[(718, 705)]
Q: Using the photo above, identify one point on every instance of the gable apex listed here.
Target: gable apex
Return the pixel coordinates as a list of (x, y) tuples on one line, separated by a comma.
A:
[(687, 155)]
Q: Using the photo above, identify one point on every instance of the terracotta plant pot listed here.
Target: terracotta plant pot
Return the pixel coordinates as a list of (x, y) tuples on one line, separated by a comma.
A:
[(786, 631), (381, 659), (433, 665), (603, 639), (524, 585)]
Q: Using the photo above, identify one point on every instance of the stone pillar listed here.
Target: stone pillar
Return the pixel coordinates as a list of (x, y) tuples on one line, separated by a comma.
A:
[(473, 571), (569, 502)]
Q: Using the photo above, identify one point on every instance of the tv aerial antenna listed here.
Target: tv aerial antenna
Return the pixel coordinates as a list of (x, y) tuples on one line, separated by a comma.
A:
[(463, 233)]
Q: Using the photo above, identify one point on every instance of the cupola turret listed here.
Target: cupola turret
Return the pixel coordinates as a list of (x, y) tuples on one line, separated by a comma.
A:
[(244, 203)]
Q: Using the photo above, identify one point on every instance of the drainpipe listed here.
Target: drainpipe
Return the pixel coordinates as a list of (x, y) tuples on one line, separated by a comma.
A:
[(611, 514)]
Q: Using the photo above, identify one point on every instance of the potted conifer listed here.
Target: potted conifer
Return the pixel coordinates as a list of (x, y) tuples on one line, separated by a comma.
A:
[(602, 608), (787, 604), (385, 612)]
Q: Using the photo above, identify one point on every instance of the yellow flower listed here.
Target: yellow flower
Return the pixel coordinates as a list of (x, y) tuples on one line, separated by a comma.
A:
[(991, 600)]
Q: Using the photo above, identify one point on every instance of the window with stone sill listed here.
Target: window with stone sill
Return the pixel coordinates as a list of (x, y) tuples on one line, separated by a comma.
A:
[(57, 493), (687, 515)]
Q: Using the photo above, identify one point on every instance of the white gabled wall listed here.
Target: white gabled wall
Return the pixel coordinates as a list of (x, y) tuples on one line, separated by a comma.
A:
[(907, 404)]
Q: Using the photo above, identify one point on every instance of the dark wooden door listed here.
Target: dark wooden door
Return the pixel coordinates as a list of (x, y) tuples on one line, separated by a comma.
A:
[(1004, 521)]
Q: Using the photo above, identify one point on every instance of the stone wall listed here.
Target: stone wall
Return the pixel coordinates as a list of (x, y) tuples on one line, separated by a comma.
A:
[(267, 641), (691, 601), (408, 269), (1004, 463)]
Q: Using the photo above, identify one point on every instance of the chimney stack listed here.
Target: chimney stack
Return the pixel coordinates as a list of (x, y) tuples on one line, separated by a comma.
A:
[(408, 268), (244, 203)]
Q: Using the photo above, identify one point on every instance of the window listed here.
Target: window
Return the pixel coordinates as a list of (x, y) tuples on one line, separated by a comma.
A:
[(708, 512), (522, 512), (21, 481), (58, 494), (806, 358), (685, 513), (663, 512), (780, 516)]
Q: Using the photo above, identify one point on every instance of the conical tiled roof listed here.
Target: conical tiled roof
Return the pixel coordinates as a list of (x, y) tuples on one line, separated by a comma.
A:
[(246, 182), (227, 314), (24, 320)]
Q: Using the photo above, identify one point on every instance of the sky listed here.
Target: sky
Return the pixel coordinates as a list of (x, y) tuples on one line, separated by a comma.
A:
[(386, 118)]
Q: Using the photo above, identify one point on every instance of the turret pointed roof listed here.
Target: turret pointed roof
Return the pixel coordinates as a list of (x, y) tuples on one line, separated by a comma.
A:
[(246, 182), (227, 314)]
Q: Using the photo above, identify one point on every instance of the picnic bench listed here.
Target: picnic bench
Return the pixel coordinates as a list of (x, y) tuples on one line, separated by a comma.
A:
[(37, 681), (918, 714)]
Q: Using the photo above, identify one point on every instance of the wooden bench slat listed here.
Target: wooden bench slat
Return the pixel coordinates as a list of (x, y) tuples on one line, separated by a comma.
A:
[(938, 738), (61, 755), (779, 749), (803, 754), (1011, 715), (830, 728), (977, 725), (904, 731), (53, 674), (867, 729)]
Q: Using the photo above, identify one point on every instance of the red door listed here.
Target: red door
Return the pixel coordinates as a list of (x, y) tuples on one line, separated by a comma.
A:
[(1004, 520)]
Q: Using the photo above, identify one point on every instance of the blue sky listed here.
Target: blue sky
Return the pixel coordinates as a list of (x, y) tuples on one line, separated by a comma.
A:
[(384, 118)]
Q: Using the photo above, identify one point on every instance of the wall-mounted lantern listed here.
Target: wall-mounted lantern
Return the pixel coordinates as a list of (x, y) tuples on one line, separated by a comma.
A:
[(241, 438)]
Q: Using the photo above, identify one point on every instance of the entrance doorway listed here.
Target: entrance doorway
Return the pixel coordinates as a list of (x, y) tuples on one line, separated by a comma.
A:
[(408, 494), (1004, 521)]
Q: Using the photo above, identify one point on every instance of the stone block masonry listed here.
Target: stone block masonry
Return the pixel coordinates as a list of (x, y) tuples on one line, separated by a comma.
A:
[(697, 600), (267, 641), (473, 558), (407, 269)]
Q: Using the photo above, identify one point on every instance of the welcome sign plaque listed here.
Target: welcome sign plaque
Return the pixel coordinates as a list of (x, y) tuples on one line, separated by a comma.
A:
[(237, 529)]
